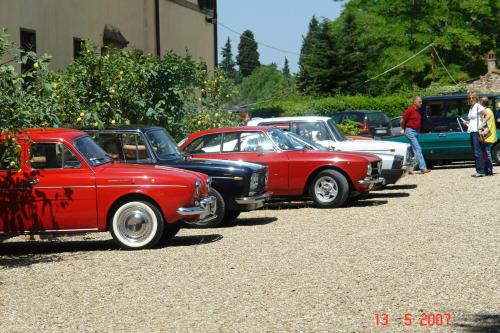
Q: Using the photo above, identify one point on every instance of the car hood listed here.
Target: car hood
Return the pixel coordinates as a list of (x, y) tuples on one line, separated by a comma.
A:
[(343, 156), (216, 166), (144, 173)]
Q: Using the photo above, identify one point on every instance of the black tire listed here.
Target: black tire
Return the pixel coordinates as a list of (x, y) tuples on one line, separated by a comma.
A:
[(495, 152), (230, 217), (220, 212), (170, 231), (329, 189), (136, 225)]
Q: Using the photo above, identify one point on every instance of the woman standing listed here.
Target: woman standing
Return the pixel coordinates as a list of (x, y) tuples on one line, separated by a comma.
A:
[(489, 121), (474, 124)]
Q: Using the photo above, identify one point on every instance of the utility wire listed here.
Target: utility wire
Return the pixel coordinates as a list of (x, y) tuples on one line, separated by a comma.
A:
[(261, 44), (402, 63), (446, 69)]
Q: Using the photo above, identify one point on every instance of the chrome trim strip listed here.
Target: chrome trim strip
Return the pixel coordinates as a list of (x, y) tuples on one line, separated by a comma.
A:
[(369, 180), (252, 200), (235, 178), (99, 186)]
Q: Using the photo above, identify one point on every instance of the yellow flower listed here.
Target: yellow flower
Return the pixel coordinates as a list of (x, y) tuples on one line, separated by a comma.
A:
[(36, 65), (96, 124), (121, 72), (19, 171), (113, 122), (12, 163), (82, 114), (199, 122), (78, 119)]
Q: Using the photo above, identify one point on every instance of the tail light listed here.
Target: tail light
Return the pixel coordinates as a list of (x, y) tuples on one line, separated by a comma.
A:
[(365, 127)]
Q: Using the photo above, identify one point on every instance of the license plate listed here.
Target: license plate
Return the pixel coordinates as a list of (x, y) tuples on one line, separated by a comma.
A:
[(381, 131)]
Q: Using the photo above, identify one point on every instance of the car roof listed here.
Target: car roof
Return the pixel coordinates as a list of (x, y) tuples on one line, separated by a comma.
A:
[(131, 128), (359, 111), (455, 97), (67, 134), (278, 119), (231, 129)]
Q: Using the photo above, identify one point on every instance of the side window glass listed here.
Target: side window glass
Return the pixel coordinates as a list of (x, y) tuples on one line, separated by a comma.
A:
[(52, 156), (314, 131), (134, 148), (230, 143), (111, 144), (206, 144), (254, 141)]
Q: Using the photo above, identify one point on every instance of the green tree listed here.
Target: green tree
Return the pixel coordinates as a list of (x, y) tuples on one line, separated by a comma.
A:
[(227, 64), (248, 56), (286, 68), (318, 59)]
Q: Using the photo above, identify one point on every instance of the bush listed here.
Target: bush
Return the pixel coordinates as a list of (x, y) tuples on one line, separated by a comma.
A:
[(350, 127), (393, 106)]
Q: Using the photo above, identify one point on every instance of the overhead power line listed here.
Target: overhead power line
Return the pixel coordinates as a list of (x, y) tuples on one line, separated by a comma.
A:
[(258, 43), (446, 69)]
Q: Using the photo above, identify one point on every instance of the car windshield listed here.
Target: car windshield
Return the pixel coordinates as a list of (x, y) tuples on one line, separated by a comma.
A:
[(94, 154), (163, 145), (336, 132), (281, 140), (300, 142)]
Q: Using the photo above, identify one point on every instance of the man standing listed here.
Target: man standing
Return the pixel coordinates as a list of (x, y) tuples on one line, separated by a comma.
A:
[(410, 123)]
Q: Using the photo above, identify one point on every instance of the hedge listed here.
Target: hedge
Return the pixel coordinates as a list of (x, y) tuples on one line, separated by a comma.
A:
[(393, 106)]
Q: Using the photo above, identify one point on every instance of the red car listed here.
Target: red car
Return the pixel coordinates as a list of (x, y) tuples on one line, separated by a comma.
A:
[(67, 184), (326, 177)]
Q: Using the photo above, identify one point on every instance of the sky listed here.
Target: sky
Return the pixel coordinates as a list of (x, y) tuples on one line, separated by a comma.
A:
[(278, 23)]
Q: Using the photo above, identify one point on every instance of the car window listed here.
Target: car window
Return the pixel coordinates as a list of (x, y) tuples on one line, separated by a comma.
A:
[(206, 144), (395, 122), (281, 140), (134, 148), (314, 131), (254, 141), (5, 163), (284, 126), (457, 108), (111, 143), (337, 118), (52, 156), (358, 117), (94, 154), (377, 118), (163, 144), (230, 142)]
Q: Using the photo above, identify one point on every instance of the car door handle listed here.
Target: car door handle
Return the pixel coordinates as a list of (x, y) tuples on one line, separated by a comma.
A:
[(33, 181)]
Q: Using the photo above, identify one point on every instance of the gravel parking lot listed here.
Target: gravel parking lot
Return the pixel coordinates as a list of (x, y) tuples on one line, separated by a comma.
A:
[(428, 245)]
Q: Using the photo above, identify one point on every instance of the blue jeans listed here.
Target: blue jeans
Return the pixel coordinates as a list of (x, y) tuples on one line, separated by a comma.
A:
[(412, 136), (477, 147), (488, 167)]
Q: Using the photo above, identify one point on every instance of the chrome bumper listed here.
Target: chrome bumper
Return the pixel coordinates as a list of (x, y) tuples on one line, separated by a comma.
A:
[(370, 180), (253, 200), (205, 209)]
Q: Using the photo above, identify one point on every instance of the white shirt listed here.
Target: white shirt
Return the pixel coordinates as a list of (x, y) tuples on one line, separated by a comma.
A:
[(475, 119)]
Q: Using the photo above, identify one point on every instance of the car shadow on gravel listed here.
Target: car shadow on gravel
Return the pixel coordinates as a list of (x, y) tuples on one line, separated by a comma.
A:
[(193, 240), (388, 195), (248, 222), (480, 323), (400, 187)]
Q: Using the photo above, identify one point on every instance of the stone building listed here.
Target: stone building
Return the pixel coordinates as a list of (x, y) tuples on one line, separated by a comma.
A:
[(490, 82), (58, 27)]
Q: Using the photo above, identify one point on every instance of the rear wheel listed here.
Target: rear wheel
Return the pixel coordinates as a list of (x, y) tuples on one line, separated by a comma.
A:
[(230, 216), (496, 153), (329, 189), (137, 225)]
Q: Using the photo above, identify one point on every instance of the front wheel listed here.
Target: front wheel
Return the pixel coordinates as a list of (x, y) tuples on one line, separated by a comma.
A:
[(137, 225), (329, 189)]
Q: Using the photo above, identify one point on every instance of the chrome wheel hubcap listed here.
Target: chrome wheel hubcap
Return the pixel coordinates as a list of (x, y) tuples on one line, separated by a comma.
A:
[(326, 189), (135, 224)]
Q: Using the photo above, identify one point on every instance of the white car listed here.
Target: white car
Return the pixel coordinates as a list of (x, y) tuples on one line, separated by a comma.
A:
[(322, 130)]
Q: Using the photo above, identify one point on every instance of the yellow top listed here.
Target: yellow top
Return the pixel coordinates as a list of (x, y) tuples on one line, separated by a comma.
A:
[(491, 125)]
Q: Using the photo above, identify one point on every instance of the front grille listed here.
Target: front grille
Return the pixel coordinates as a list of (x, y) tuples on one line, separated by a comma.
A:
[(375, 169), (398, 162)]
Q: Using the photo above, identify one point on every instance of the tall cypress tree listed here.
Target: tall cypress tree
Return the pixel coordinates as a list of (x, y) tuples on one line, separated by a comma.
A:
[(248, 56), (286, 68), (227, 64)]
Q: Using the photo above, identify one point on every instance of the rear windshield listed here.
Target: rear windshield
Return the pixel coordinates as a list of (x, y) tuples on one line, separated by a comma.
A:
[(377, 118)]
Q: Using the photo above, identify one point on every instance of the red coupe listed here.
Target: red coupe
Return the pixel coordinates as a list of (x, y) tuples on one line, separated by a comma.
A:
[(67, 184), (326, 177)]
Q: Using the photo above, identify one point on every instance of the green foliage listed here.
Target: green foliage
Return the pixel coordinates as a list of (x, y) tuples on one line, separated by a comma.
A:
[(227, 64), (265, 83), (248, 56), (202, 119), (10, 151), (307, 106), (286, 68), (350, 127)]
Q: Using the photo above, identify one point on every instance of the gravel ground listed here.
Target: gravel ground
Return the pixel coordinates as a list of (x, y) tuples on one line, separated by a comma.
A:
[(414, 248)]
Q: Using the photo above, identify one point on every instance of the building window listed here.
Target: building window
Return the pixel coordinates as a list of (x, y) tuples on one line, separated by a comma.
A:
[(207, 6), (28, 44), (78, 46)]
